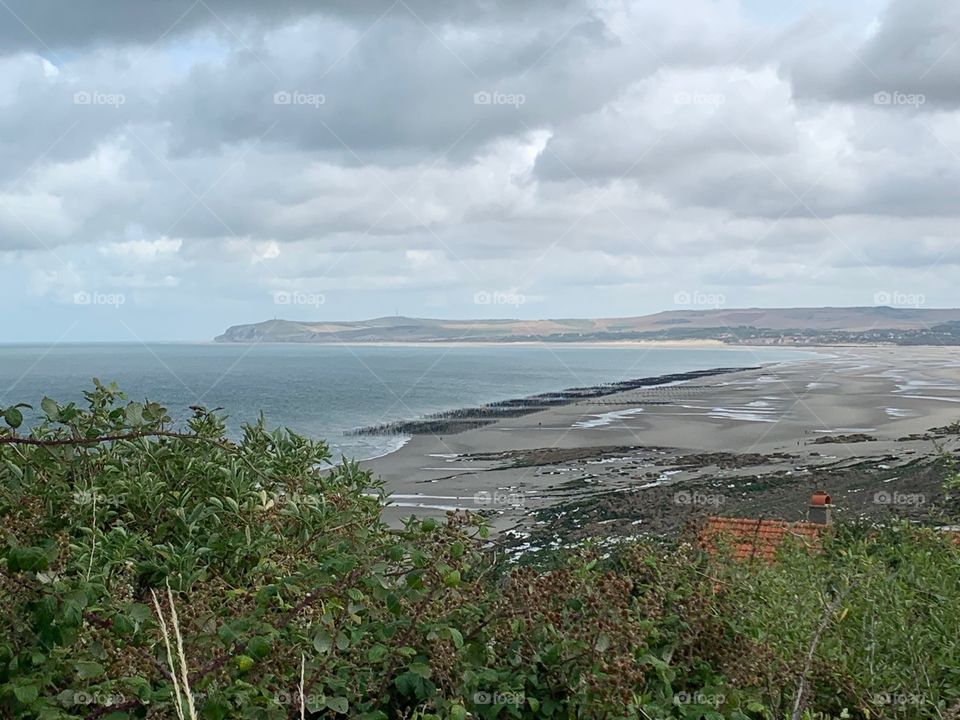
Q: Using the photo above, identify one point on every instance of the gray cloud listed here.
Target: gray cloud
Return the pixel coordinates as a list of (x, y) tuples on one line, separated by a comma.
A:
[(590, 156), (912, 51), (50, 26)]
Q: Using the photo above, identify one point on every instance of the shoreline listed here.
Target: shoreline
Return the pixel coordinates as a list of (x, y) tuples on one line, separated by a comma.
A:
[(468, 418), (749, 443), (404, 438), (598, 344)]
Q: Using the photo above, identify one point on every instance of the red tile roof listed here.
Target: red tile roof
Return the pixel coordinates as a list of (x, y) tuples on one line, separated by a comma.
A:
[(747, 539)]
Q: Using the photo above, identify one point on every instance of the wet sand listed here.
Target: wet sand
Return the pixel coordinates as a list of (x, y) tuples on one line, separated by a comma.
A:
[(750, 443)]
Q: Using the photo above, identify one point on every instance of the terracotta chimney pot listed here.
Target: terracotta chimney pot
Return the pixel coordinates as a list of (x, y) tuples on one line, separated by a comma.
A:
[(819, 510)]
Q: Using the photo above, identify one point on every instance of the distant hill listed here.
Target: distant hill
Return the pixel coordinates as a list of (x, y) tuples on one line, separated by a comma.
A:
[(785, 326)]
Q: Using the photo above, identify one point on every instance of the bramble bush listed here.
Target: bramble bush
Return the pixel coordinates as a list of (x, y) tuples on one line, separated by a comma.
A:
[(154, 573), (148, 571), (889, 601)]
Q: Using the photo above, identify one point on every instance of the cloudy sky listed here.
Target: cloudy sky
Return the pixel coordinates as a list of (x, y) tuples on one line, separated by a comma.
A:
[(172, 168)]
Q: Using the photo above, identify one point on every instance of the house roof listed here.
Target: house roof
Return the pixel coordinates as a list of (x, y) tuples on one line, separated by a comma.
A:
[(748, 539)]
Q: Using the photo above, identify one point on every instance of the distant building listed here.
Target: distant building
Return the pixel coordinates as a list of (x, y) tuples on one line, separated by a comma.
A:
[(758, 539)]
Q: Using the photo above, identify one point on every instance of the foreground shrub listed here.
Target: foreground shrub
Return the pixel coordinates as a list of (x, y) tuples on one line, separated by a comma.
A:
[(282, 579), (870, 626), (155, 573), (147, 572)]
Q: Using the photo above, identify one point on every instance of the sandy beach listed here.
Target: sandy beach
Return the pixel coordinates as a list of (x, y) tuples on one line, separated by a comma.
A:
[(862, 423)]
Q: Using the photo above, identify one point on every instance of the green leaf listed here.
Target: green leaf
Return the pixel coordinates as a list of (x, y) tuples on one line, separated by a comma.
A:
[(87, 670), (215, 710), (377, 653), (50, 409), (422, 669), (259, 647), (13, 417), (140, 613), (396, 553), (322, 642), (134, 414), (338, 704), (32, 559), (26, 693)]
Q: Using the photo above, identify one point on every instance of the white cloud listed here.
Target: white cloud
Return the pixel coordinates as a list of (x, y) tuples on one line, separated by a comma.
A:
[(696, 145)]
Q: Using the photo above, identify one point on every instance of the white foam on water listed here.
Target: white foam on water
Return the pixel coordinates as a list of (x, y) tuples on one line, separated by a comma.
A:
[(672, 383), (900, 412), (421, 496), (744, 414), (390, 446), (915, 385), (424, 506), (607, 418), (932, 397), (846, 430)]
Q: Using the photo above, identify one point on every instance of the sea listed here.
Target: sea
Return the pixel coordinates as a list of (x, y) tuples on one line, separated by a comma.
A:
[(324, 391)]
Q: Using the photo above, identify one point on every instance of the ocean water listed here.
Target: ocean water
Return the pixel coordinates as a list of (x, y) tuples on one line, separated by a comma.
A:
[(324, 390)]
